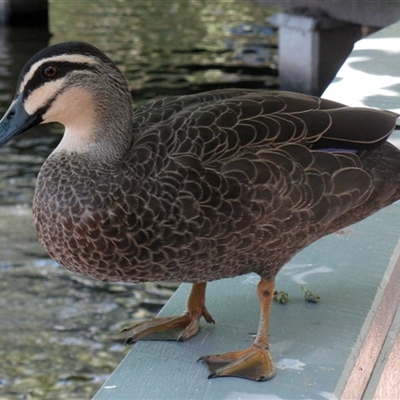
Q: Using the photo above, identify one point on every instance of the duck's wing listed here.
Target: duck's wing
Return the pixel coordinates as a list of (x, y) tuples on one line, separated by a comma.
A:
[(278, 101), (267, 169), (217, 125)]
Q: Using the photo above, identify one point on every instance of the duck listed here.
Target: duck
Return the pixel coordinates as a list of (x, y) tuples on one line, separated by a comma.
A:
[(194, 188)]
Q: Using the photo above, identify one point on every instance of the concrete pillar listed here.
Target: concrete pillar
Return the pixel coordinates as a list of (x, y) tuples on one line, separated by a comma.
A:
[(311, 50), (24, 12)]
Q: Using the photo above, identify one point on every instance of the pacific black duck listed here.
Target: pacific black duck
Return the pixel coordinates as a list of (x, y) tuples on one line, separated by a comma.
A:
[(194, 188)]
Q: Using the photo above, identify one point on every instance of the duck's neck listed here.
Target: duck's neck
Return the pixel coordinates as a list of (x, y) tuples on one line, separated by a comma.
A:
[(98, 124)]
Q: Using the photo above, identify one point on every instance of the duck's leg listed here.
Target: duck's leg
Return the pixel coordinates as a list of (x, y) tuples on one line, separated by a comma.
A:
[(178, 328), (255, 362)]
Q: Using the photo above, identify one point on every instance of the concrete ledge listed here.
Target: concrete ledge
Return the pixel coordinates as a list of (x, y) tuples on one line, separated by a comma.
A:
[(317, 347)]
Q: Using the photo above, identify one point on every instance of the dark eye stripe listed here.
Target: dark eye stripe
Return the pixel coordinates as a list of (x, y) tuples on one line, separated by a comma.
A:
[(63, 68)]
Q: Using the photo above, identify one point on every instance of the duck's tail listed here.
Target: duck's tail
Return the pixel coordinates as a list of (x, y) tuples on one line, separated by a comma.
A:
[(383, 165)]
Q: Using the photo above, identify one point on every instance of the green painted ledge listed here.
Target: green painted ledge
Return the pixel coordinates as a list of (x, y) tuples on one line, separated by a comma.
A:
[(337, 348)]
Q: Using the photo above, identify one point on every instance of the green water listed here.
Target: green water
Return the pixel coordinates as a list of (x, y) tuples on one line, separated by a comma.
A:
[(60, 333)]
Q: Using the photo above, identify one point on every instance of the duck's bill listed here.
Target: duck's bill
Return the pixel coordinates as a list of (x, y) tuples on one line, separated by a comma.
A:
[(16, 121)]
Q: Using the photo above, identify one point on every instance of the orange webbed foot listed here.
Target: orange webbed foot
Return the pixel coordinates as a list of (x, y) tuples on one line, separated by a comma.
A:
[(256, 362), (253, 363), (178, 328)]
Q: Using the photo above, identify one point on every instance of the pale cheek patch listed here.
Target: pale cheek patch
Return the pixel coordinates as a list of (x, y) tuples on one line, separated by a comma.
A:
[(39, 97), (71, 107), (75, 110)]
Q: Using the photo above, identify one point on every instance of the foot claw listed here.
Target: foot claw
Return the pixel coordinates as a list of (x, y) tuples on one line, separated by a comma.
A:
[(129, 341)]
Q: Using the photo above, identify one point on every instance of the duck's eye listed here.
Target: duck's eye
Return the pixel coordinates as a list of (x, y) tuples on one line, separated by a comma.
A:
[(50, 71)]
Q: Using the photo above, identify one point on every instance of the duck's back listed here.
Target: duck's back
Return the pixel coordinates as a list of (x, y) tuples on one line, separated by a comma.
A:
[(216, 185)]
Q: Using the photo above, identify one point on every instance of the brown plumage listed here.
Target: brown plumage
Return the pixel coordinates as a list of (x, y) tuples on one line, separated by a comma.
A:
[(197, 188), (213, 186)]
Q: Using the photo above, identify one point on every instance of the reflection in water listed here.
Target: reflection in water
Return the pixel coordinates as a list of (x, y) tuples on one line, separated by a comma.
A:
[(59, 331), (177, 47)]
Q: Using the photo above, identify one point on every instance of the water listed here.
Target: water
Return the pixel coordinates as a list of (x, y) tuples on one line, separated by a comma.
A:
[(59, 331)]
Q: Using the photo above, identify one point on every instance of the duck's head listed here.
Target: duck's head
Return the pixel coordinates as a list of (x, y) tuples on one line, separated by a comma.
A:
[(76, 85)]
